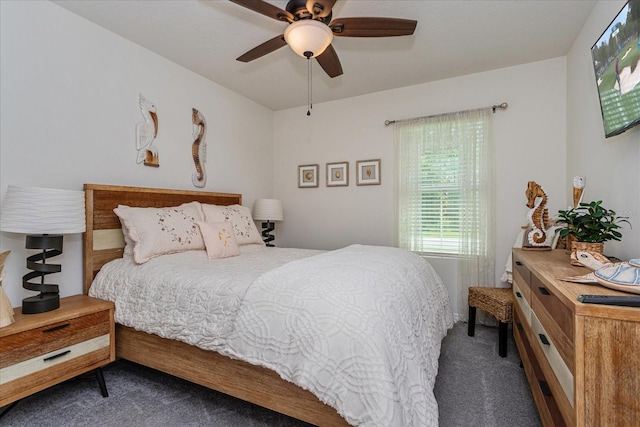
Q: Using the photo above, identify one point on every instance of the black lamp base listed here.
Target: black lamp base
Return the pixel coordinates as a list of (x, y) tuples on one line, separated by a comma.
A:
[(267, 228), (40, 303), (48, 299)]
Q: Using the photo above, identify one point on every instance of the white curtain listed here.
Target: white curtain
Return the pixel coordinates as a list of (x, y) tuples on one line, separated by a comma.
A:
[(467, 134)]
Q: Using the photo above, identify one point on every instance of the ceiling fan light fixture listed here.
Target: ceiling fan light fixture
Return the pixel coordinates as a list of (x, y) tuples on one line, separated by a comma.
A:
[(308, 35)]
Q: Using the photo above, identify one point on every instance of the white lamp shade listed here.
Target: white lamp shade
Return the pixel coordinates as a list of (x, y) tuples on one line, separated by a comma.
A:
[(307, 35), (268, 210), (35, 210)]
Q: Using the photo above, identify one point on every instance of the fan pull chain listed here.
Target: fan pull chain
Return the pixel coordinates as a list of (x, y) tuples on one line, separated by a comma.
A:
[(309, 85)]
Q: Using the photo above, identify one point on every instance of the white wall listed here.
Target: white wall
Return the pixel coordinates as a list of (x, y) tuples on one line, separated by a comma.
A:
[(529, 143), (611, 165), (69, 108)]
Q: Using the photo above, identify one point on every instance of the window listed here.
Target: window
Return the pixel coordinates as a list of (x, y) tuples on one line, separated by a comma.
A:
[(445, 183), (445, 193)]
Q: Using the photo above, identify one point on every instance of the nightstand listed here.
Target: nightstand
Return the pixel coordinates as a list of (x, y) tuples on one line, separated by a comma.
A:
[(41, 350)]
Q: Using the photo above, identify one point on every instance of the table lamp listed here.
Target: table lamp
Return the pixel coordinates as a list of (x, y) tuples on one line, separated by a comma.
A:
[(268, 210), (44, 214)]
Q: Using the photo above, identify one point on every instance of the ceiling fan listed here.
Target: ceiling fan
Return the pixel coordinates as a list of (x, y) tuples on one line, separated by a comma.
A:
[(311, 30)]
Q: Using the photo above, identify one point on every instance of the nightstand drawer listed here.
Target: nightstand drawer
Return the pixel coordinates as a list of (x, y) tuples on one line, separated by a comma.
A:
[(44, 349), (54, 358), (33, 343)]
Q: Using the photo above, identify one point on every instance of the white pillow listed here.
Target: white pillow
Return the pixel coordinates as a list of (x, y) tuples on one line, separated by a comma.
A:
[(128, 243), (219, 239), (243, 225), (158, 231)]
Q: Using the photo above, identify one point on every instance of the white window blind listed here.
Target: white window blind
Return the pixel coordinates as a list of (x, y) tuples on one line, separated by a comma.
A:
[(439, 207)]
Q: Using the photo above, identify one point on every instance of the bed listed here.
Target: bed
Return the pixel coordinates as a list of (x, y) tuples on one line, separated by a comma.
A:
[(243, 360)]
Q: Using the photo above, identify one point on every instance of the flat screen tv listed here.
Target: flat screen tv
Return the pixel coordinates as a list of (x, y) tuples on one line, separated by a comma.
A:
[(616, 61)]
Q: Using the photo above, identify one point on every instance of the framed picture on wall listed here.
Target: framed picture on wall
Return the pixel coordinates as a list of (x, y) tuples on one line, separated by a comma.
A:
[(307, 176), (337, 174), (368, 172)]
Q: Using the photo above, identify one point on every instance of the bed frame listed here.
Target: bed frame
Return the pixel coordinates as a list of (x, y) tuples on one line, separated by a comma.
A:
[(103, 241)]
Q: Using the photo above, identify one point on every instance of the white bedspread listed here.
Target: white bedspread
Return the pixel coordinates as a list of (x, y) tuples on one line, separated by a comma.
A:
[(359, 327), (186, 296)]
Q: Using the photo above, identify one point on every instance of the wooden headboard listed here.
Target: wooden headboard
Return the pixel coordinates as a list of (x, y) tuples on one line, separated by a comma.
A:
[(103, 240)]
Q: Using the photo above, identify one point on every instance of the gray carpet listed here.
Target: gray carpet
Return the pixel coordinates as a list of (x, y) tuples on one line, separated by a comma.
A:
[(474, 387)]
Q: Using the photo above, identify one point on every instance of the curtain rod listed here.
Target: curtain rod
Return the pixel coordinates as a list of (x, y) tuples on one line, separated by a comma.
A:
[(502, 106)]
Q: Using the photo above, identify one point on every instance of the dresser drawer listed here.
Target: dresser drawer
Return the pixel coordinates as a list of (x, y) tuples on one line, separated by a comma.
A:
[(545, 401), (522, 276), (522, 303), (30, 344), (556, 318), (552, 355)]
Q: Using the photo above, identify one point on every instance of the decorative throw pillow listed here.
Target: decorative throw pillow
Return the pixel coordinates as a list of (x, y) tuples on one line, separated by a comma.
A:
[(159, 231), (243, 225), (219, 239), (128, 243)]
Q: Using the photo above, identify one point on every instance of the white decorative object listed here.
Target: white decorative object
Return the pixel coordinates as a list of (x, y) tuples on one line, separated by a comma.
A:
[(578, 189), (199, 148), (146, 134)]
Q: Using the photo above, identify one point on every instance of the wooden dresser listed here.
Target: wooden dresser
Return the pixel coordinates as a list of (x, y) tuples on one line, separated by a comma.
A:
[(40, 350), (582, 360)]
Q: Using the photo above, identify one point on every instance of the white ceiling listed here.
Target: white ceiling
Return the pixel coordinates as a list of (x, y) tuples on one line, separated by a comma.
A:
[(452, 38)]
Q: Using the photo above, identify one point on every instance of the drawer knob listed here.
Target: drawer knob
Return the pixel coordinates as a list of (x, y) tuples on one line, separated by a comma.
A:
[(55, 356), (518, 263), (56, 328), (518, 294), (544, 387), (543, 290), (543, 339)]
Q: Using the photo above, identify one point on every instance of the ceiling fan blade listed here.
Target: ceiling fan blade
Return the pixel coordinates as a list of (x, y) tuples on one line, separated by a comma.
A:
[(266, 9), (320, 8), (329, 62), (372, 27), (261, 50)]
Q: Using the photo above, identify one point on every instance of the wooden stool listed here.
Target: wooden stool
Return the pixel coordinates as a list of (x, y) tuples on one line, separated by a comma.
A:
[(496, 301)]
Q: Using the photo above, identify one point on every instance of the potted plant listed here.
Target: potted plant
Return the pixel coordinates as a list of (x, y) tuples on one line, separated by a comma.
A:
[(589, 225)]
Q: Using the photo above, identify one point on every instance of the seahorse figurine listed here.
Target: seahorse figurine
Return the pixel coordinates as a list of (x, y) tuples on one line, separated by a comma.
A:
[(199, 148), (538, 215)]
